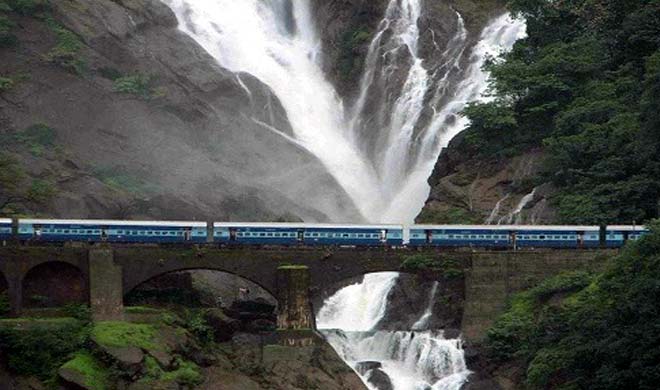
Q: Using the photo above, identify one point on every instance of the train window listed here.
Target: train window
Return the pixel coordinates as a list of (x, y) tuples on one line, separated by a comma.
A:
[(541, 237), (66, 231)]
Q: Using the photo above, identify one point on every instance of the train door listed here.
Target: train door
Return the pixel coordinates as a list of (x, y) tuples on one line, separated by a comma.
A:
[(232, 234), (187, 234), (301, 235), (580, 239), (38, 231), (429, 236), (513, 238), (626, 237), (104, 233), (383, 236)]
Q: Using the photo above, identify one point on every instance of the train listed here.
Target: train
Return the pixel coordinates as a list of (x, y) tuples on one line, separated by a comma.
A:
[(316, 234)]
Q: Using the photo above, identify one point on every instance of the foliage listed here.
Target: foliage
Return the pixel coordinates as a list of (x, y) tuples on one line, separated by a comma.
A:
[(96, 376), (195, 321), (5, 308), (122, 180), (584, 85), (25, 7), (453, 215), (124, 334), (66, 52), (39, 348), (420, 263), (6, 84), (602, 334), (138, 85), (7, 38), (40, 191), (187, 374)]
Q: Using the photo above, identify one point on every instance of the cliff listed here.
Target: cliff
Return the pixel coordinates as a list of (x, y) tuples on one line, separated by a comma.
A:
[(109, 111)]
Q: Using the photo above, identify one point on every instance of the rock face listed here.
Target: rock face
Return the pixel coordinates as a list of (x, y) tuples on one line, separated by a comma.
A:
[(410, 297), (467, 189), (146, 124)]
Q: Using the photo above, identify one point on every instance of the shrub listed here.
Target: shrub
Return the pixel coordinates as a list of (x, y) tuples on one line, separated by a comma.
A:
[(420, 263), (27, 7), (39, 347), (5, 308), (6, 84), (138, 85), (66, 52), (7, 39), (40, 191)]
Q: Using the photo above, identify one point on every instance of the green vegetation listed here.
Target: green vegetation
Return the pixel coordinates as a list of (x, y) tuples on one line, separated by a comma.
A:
[(186, 374), (40, 347), (123, 180), (454, 215), (66, 52), (578, 331), (95, 374), (4, 304), (420, 263), (20, 7), (138, 85), (125, 334), (585, 85)]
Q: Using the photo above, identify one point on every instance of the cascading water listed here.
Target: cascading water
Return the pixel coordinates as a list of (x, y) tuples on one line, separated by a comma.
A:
[(381, 163), (412, 360), (381, 149)]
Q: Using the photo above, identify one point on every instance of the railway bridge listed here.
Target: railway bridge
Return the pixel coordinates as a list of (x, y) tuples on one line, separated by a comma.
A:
[(103, 274)]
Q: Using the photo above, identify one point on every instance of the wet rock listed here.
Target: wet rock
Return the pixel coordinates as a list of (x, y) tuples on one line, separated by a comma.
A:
[(253, 307), (261, 325), (379, 379), (73, 377), (129, 359), (365, 366), (451, 333)]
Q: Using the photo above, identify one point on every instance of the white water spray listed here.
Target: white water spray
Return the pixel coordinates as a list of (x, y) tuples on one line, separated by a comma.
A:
[(411, 359), (280, 46)]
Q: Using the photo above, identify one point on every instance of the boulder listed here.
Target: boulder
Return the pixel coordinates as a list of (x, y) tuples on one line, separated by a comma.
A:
[(129, 359), (223, 326), (74, 377), (367, 365), (380, 380)]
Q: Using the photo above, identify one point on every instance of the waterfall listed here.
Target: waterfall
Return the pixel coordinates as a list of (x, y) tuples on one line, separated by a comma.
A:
[(423, 322), (380, 148), (412, 360), (383, 162)]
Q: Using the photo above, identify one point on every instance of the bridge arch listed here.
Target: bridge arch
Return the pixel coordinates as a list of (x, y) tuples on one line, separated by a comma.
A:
[(133, 283), (53, 284)]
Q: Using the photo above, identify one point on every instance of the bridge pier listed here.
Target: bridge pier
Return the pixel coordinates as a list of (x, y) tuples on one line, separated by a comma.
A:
[(15, 294), (294, 303), (106, 296)]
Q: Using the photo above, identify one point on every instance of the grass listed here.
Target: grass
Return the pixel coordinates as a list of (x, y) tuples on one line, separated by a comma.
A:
[(96, 376), (123, 334), (138, 85)]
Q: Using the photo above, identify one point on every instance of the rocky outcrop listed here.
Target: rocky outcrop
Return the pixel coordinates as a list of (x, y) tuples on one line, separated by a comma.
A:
[(144, 123), (473, 189), (411, 296)]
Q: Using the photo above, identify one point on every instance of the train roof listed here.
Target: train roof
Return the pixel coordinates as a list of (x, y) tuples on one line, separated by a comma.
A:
[(627, 228), (5, 220), (111, 222), (505, 227), (304, 225)]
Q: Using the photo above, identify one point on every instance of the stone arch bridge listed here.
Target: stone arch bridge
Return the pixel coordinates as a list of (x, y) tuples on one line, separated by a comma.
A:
[(293, 275)]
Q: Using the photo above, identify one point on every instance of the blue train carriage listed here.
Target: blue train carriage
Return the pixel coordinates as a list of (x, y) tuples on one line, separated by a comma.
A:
[(555, 236), (353, 235), (59, 230), (488, 236), (5, 229), (154, 231), (618, 235), (255, 233), (306, 234)]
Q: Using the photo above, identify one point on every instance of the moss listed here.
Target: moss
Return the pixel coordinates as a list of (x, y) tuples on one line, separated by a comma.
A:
[(292, 266), (6, 84), (123, 334), (186, 374), (142, 310), (95, 374)]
